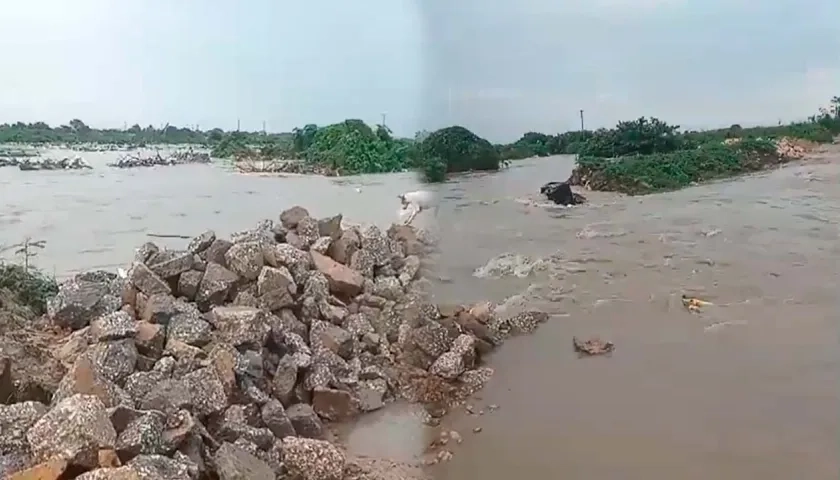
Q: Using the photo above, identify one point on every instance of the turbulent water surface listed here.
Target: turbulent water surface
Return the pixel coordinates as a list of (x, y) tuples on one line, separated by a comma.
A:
[(746, 388)]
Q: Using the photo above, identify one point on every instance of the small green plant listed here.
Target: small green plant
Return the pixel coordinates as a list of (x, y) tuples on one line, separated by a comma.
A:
[(30, 286)]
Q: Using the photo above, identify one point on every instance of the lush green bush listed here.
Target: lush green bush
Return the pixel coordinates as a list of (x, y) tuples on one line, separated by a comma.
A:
[(647, 156), (640, 174), (30, 287), (637, 137), (352, 147), (461, 150)]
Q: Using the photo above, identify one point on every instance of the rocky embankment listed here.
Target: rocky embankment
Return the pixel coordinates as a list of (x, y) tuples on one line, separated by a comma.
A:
[(230, 359), (66, 163), (177, 158)]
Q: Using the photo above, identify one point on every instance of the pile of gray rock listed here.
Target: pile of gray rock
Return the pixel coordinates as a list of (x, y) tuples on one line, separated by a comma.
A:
[(66, 163), (178, 158), (230, 359)]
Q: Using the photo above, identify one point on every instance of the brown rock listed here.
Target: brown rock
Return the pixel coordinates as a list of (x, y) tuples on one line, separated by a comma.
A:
[(7, 386), (150, 339), (342, 279), (108, 458), (75, 429), (146, 281), (343, 248), (334, 405), (82, 378), (50, 470)]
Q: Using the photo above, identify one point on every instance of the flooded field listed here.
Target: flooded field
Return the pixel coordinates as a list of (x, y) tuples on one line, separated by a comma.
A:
[(746, 388)]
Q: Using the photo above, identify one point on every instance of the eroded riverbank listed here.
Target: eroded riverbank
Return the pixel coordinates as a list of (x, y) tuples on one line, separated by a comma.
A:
[(744, 389)]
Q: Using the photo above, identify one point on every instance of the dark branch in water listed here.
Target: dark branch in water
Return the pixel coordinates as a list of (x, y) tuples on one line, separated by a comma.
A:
[(160, 235)]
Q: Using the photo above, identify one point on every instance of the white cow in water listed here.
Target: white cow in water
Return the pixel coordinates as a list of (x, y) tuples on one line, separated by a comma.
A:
[(415, 202)]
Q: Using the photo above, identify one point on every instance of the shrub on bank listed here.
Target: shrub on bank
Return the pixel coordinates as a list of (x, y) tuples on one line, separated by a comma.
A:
[(636, 137), (646, 156), (460, 150), (642, 174), (352, 147), (30, 287)]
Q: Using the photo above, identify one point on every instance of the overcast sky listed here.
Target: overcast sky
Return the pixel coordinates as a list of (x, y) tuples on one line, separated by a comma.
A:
[(498, 67)]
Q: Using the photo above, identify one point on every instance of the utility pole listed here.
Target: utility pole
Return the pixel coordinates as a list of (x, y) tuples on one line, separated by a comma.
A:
[(581, 121), (383, 119), (237, 124), (263, 127)]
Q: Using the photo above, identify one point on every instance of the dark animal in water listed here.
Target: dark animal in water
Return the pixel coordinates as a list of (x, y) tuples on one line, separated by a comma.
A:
[(561, 193)]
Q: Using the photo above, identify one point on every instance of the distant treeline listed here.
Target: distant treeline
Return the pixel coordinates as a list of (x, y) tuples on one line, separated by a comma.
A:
[(354, 147), (76, 132)]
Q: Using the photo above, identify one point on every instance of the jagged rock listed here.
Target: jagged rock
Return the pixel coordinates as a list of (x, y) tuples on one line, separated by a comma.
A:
[(84, 378), (292, 216), (188, 327), (79, 303), (234, 463), (115, 360), (207, 391), (189, 282), (143, 435), (342, 249), (275, 418), (169, 263), (201, 242), (311, 459), (147, 281), (159, 308), (330, 227), (150, 339), (159, 467), (15, 420), (334, 405), (342, 279), (216, 252), (241, 326), (74, 430), (305, 421), (114, 326), (215, 286), (245, 259)]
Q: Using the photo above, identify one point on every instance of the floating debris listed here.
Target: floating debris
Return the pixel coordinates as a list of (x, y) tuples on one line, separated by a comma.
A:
[(593, 346), (693, 304)]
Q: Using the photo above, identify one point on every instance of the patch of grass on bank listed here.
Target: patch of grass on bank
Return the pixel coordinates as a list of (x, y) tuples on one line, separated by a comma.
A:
[(28, 286), (648, 155)]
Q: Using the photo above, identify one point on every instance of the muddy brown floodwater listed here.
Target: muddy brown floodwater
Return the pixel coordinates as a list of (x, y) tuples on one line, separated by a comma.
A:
[(744, 389)]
